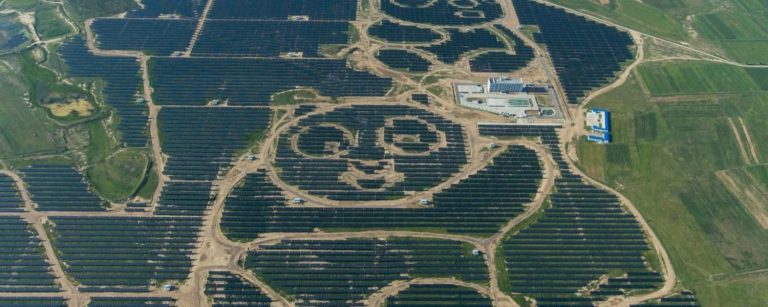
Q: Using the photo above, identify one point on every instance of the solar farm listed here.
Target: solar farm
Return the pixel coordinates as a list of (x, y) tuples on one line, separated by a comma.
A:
[(311, 153)]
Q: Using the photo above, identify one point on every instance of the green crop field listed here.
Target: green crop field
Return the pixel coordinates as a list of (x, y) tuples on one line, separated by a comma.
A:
[(690, 77), (666, 157)]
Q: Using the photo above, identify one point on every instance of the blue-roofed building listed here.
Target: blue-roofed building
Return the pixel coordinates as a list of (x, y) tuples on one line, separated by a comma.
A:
[(599, 123), (505, 85)]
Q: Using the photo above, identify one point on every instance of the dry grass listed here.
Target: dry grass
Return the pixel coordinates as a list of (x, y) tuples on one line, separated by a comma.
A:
[(81, 107)]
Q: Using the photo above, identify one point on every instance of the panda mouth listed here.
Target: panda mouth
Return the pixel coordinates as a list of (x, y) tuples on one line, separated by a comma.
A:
[(372, 174)]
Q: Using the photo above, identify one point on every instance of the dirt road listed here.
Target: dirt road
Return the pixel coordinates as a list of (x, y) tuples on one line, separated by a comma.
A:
[(379, 298), (198, 28)]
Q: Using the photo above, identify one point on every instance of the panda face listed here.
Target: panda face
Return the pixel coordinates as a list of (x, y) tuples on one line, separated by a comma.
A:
[(370, 152)]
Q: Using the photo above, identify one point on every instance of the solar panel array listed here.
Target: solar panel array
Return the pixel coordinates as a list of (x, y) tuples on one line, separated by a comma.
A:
[(420, 98), (10, 200), (478, 205), (320, 175), (59, 188), (586, 54), (195, 81), (398, 33), (23, 267), (226, 289), (339, 10), (304, 109), (202, 141), (199, 142), (501, 61), (176, 8), (151, 36), (461, 42), (132, 302), (123, 86), (29, 301), (443, 12), (583, 236), (403, 59), (184, 198), (344, 272), (268, 38), (125, 254), (439, 295)]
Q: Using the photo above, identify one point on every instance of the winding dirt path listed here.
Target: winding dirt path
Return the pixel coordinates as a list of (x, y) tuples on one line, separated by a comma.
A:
[(622, 78), (379, 298)]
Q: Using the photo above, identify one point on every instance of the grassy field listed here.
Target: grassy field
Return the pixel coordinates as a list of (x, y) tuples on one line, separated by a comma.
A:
[(295, 96), (633, 14), (24, 130), (147, 189), (666, 157), (21, 4), (85, 9), (691, 77), (739, 28), (49, 23), (118, 176), (115, 173), (734, 29)]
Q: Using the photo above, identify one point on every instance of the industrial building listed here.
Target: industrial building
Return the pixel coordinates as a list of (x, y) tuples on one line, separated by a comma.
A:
[(501, 95), (598, 122), (505, 85)]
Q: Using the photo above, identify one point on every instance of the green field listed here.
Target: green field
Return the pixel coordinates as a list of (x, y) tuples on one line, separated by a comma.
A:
[(85, 9), (24, 130), (118, 176), (148, 186), (295, 96), (665, 158), (49, 23), (695, 78), (632, 14)]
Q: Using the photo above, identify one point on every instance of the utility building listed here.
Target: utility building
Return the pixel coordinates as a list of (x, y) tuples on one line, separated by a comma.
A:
[(598, 122), (505, 85)]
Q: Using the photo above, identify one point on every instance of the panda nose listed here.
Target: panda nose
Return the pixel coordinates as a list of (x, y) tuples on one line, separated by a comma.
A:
[(369, 166)]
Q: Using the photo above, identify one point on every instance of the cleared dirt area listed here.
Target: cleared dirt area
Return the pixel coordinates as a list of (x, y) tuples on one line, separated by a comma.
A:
[(80, 107), (737, 135)]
